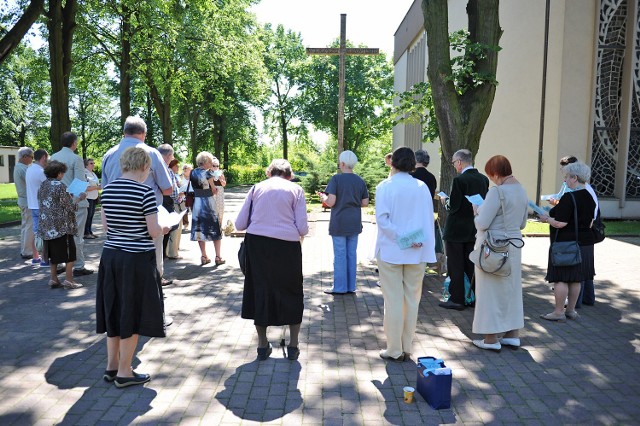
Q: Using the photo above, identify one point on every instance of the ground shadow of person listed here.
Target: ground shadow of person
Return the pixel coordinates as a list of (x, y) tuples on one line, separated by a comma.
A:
[(263, 391), (96, 405)]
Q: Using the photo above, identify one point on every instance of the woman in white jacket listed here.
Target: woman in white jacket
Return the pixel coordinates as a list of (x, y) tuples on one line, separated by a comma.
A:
[(404, 245)]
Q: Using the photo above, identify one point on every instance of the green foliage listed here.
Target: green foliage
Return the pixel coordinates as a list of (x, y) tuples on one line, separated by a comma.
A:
[(416, 107), (245, 175), (368, 98), (465, 74)]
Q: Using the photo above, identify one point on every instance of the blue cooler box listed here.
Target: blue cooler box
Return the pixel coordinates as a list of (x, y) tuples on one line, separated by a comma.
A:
[(434, 382)]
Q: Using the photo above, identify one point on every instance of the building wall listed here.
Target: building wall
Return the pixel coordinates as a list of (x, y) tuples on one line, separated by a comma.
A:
[(513, 128), (6, 172)]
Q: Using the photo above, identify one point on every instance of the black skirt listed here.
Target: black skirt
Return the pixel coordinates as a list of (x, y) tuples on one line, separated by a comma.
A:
[(60, 250), (273, 282), (129, 296), (572, 274)]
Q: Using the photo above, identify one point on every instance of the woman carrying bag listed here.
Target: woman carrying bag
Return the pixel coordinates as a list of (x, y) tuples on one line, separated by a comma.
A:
[(499, 306), (563, 226)]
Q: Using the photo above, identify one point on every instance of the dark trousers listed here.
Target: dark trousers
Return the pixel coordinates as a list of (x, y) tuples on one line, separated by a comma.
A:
[(90, 213), (167, 203), (587, 294), (458, 264)]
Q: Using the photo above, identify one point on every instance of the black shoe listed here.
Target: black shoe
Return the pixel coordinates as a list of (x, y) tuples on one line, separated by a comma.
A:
[(165, 282), (109, 375), (292, 353), (82, 271), (137, 379), (263, 353), (333, 292), (451, 305), (26, 256)]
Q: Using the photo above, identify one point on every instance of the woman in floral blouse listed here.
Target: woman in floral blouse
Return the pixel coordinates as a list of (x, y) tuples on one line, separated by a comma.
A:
[(57, 224)]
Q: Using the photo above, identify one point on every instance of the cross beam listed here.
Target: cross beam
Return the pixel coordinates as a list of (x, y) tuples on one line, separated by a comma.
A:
[(342, 51)]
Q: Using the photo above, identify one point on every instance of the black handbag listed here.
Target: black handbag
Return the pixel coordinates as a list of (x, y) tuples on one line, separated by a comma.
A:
[(567, 253), (598, 229)]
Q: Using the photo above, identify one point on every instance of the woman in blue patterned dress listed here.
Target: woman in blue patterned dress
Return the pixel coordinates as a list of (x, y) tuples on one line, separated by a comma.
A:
[(204, 222)]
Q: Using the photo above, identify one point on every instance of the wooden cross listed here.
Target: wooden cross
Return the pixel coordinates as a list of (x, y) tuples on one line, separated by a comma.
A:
[(342, 51)]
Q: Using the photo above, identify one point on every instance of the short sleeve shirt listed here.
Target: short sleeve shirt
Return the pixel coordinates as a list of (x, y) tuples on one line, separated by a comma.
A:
[(346, 214)]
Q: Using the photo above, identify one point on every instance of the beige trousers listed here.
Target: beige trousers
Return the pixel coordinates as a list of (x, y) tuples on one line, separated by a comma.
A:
[(401, 287), (174, 236), (26, 232)]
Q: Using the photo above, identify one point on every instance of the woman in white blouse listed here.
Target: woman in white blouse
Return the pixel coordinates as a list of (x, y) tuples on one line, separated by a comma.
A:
[(404, 245)]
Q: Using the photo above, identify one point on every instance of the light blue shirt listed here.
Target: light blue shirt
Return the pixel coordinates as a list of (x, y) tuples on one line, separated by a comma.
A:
[(158, 179)]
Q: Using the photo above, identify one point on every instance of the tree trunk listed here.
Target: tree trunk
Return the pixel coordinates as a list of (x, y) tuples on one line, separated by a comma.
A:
[(150, 128), (163, 109), (461, 117), (17, 33), (218, 122), (285, 136), (125, 65), (61, 25), (193, 118)]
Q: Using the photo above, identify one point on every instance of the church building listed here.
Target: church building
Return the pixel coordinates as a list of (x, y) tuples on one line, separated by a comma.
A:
[(569, 84)]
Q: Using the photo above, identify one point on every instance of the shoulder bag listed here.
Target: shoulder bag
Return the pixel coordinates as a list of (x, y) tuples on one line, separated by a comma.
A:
[(190, 196), (598, 229), (567, 253), (492, 256)]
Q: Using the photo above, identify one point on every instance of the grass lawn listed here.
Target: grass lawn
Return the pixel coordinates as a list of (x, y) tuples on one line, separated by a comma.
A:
[(9, 211)]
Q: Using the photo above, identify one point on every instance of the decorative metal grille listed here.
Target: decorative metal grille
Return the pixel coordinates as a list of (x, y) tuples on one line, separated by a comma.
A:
[(611, 39), (610, 60)]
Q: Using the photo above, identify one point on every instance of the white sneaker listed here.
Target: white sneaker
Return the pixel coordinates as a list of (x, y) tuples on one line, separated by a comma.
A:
[(490, 346), (510, 341)]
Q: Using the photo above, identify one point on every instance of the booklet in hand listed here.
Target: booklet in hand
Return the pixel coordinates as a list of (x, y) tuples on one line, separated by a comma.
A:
[(475, 199), (405, 241)]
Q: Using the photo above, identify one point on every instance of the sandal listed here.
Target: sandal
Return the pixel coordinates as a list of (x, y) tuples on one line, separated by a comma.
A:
[(204, 260), (71, 285), (572, 315), (54, 284), (219, 261), (553, 317)]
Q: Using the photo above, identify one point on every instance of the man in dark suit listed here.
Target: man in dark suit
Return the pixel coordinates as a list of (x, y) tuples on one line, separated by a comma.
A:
[(459, 229)]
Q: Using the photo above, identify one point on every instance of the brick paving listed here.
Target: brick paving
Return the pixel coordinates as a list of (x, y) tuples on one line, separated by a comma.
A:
[(205, 371)]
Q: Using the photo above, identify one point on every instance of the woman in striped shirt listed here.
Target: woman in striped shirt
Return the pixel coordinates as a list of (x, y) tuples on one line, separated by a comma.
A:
[(129, 299)]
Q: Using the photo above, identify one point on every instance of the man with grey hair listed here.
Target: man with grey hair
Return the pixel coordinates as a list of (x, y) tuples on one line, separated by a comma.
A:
[(421, 172), (346, 194), (459, 229), (75, 170), (27, 245), (135, 131)]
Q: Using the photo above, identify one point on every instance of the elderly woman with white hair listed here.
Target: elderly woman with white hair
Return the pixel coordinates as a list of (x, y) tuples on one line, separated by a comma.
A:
[(204, 219), (346, 194), (575, 203), (274, 214)]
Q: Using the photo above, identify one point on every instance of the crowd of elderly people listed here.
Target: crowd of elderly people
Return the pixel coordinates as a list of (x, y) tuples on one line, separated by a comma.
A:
[(138, 178)]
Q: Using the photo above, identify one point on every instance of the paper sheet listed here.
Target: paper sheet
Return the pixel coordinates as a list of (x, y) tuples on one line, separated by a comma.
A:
[(475, 199), (77, 187), (169, 219), (442, 194), (538, 210)]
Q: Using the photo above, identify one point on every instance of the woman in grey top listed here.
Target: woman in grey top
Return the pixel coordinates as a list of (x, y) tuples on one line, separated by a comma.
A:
[(346, 194)]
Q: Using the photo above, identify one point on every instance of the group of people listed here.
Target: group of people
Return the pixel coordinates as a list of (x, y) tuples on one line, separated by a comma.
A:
[(275, 224), (137, 178), (53, 221)]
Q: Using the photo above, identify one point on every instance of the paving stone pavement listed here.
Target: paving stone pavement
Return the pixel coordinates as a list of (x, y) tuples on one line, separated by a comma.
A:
[(205, 371)]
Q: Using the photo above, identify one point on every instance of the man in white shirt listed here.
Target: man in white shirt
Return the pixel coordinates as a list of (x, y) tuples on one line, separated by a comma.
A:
[(75, 170), (25, 158), (33, 178)]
